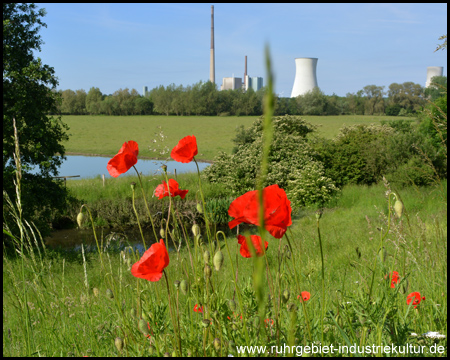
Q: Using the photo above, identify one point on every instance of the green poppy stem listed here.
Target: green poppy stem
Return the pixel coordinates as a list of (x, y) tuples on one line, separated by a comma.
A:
[(146, 204), (177, 331), (137, 218)]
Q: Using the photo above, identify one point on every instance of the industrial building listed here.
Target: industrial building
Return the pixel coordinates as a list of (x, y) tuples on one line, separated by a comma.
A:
[(231, 83)]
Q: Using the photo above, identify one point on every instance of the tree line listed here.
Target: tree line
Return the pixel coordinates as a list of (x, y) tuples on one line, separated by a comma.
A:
[(203, 98)]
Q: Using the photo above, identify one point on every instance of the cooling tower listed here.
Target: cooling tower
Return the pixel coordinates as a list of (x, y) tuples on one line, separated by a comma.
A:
[(305, 76), (433, 71)]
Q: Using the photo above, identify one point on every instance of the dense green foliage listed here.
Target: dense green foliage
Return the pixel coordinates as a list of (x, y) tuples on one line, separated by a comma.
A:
[(293, 163), (28, 98), (203, 98)]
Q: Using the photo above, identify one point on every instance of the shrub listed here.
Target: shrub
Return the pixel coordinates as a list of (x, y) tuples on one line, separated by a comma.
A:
[(292, 162)]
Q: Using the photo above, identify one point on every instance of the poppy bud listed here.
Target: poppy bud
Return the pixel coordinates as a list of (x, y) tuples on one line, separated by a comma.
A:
[(207, 271), (216, 344), (143, 327), (292, 307), (199, 208), (184, 286), (95, 291), (164, 167), (80, 217), (287, 252), (232, 305), (218, 260), (196, 229), (398, 208), (119, 344), (205, 323), (109, 294), (285, 296), (206, 256), (133, 185), (199, 240), (162, 233), (133, 312), (177, 284)]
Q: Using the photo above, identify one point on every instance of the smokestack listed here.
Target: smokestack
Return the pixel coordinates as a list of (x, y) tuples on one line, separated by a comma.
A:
[(245, 73), (212, 75)]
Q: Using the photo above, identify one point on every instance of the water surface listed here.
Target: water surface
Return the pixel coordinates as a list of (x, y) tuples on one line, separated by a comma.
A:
[(92, 166)]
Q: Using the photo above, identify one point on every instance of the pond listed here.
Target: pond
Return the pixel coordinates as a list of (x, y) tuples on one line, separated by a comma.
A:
[(71, 239), (92, 166)]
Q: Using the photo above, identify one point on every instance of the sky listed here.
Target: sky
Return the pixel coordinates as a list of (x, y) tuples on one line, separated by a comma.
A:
[(118, 46)]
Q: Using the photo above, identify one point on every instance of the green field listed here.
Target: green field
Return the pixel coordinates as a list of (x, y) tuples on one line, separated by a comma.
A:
[(104, 135)]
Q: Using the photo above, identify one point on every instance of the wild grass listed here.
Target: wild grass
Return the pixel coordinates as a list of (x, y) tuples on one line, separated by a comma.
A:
[(50, 304), (104, 135)]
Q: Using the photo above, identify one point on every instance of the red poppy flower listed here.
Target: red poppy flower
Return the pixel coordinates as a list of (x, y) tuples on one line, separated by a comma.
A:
[(124, 160), (394, 278), (269, 322), (277, 210), (152, 263), (415, 298), (185, 150), (305, 296), (162, 190), (198, 308), (256, 241)]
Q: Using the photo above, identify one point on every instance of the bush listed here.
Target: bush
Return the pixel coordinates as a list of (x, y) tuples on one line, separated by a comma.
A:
[(292, 162)]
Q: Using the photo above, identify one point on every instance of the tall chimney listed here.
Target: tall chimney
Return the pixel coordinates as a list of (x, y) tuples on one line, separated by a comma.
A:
[(212, 75), (245, 73)]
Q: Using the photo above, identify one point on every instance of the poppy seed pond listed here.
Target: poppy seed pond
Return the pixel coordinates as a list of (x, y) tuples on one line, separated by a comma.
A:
[(92, 166)]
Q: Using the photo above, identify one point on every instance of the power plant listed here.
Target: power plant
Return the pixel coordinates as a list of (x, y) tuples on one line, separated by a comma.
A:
[(433, 71), (233, 83), (305, 76)]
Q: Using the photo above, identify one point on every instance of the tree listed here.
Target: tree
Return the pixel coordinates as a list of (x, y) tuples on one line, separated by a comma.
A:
[(93, 100), (374, 99), (28, 97)]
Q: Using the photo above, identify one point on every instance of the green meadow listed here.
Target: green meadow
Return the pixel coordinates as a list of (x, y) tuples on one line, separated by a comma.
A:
[(104, 135)]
